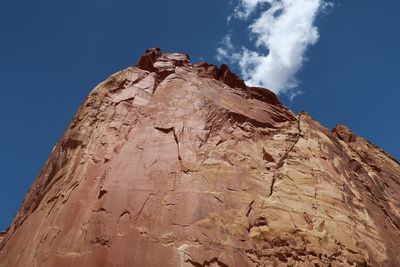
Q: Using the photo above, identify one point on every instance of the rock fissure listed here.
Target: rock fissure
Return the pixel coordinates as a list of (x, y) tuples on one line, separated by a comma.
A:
[(250, 208), (143, 206), (177, 146), (277, 175)]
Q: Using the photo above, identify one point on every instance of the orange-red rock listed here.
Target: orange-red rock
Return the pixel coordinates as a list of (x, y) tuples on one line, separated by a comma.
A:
[(171, 163)]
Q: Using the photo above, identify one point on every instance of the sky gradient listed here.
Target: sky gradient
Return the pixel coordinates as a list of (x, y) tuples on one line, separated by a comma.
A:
[(52, 53)]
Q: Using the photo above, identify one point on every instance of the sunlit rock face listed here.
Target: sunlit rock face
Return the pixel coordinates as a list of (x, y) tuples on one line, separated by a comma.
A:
[(170, 163)]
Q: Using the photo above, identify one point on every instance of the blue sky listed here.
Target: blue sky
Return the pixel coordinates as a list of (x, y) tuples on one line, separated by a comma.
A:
[(52, 53)]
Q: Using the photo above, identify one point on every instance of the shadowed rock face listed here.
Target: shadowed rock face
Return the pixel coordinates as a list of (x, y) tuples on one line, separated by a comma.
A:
[(171, 163)]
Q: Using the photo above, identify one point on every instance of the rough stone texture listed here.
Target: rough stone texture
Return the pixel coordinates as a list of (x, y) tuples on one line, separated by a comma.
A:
[(2, 234), (177, 164)]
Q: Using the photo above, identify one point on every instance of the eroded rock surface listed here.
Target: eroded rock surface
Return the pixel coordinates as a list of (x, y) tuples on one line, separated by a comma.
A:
[(2, 234), (171, 163)]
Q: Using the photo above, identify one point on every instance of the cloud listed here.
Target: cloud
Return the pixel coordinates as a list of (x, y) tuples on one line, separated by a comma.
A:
[(246, 7), (281, 33)]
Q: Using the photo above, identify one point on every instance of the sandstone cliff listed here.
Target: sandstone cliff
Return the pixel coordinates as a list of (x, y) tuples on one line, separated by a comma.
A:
[(170, 163)]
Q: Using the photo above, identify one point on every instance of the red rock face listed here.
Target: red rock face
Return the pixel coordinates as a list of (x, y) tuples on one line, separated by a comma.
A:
[(177, 164)]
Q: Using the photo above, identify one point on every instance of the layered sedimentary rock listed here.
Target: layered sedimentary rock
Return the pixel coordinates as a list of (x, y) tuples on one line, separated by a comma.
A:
[(170, 163)]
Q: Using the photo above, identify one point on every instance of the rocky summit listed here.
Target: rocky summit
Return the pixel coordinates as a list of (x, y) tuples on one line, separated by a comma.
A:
[(171, 163)]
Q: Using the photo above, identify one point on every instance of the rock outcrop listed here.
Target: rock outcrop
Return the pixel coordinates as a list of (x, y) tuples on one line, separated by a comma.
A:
[(2, 234), (170, 163)]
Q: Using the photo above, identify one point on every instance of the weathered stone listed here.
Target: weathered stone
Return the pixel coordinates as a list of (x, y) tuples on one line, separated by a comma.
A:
[(171, 163)]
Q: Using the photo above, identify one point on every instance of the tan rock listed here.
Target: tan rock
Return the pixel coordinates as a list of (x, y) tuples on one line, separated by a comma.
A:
[(171, 163)]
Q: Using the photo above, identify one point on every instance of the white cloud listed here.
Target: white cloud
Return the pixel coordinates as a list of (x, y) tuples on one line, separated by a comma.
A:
[(246, 7), (227, 51), (284, 29)]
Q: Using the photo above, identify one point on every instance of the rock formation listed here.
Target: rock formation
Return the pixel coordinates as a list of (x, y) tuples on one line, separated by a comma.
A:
[(170, 163)]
